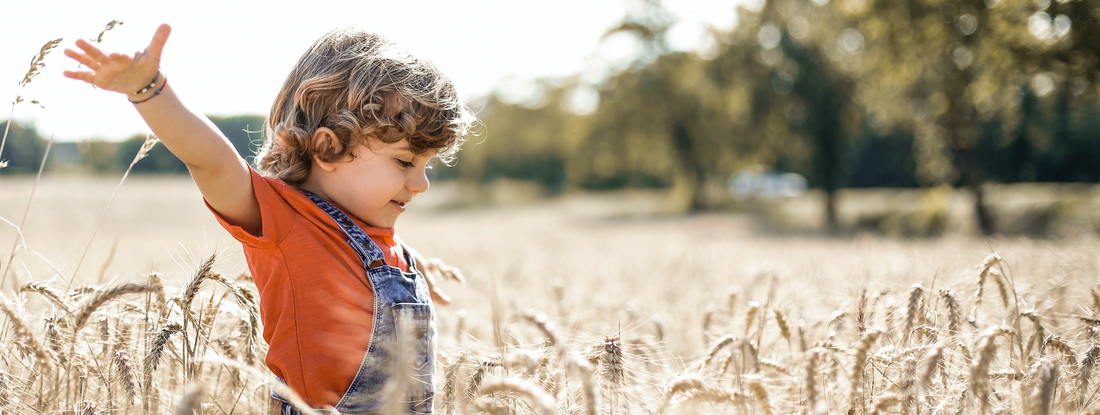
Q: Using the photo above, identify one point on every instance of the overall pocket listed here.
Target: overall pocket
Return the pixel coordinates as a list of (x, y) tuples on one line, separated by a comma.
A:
[(416, 345), (416, 333)]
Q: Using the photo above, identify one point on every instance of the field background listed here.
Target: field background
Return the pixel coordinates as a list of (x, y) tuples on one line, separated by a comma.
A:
[(619, 259)]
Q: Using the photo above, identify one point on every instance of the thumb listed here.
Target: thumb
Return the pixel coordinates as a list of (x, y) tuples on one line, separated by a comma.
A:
[(156, 46)]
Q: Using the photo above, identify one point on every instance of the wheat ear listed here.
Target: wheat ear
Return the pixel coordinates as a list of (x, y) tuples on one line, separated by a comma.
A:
[(37, 63), (713, 351), (979, 370), (125, 374), (1048, 377), (152, 360), (784, 326), (101, 297), (698, 388), (884, 402), (855, 395), (810, 380), (914, 312), (571, 364), (750, 316), (611, 362), (477, 377), (48, 293), (450, 384), (953, 314), (1085, 375), (23, 331), (928, 368), (541, 401), (761, 395)]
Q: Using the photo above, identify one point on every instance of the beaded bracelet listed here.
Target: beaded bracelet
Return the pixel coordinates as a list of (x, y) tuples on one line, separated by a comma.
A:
[(152, 84), (155, 93)]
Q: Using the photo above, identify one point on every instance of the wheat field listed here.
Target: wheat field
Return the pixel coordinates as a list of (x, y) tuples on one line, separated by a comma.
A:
[(126, 297), (579, 304)]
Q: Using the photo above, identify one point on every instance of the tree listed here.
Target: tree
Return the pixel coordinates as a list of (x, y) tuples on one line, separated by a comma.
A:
[(24, 150), (945, 68)]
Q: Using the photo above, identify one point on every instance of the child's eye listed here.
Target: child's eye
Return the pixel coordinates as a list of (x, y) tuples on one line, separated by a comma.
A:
[(404, 163)]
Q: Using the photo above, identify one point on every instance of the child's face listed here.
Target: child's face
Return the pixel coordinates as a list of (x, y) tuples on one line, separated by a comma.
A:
[(378, 184)]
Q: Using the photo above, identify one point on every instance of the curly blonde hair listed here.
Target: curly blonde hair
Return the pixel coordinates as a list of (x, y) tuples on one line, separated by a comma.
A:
[(362, 87)]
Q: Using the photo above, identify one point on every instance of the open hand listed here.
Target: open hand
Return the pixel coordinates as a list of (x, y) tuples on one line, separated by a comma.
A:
[(117, 71)]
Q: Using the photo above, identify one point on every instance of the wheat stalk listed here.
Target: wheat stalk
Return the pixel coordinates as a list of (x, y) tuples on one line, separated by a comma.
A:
[(37, 63)]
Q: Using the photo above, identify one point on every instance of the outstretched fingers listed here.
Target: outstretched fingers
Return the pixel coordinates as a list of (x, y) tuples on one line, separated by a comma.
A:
[(79, 75), (91, 50), (83, 58)]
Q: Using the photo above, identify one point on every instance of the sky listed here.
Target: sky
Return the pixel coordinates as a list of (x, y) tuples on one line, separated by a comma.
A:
[(230, 57)]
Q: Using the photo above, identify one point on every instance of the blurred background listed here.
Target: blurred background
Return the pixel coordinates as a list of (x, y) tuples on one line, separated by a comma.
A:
[(912, 118)]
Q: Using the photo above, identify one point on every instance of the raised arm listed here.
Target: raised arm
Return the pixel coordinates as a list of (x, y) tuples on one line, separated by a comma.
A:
[(221, 174)]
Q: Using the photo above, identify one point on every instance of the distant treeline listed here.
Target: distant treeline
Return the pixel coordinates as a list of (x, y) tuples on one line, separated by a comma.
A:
[(1055, 143), (25, 147)]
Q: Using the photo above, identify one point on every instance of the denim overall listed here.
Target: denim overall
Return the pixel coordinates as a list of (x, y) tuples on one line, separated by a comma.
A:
[(404, 329)]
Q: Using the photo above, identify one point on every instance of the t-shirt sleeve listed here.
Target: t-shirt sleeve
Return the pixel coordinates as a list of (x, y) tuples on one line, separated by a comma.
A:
[(275, 215)]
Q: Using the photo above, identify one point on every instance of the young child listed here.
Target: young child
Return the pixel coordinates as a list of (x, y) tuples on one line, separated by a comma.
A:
[(348, 140)]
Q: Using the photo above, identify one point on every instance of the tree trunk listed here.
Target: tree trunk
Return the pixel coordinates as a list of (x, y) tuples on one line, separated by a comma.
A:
[(973, 182), (685, 154), (831, 224)]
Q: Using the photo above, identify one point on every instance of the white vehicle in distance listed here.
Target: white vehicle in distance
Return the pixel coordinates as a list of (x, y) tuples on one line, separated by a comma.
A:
[(763, 181)]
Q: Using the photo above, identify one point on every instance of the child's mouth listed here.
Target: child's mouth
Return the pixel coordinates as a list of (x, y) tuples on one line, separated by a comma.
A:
[(400, 205)]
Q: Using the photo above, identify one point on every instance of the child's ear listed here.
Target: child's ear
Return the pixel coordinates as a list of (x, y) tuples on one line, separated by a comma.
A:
[(325, 146)]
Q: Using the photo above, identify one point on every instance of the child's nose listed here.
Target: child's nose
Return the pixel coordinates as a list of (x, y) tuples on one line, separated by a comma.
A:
[(418, 183)]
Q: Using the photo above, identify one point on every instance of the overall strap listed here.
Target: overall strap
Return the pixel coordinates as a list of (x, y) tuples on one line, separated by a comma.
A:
[(368, 252)]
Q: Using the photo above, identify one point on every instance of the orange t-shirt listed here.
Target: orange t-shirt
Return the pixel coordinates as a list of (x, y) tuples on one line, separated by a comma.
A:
[(316, 301)]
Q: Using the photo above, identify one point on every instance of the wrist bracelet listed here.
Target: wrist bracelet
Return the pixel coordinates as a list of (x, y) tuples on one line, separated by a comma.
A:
[(152, 84), (155, 93)]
